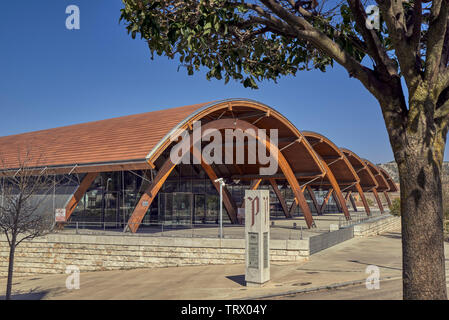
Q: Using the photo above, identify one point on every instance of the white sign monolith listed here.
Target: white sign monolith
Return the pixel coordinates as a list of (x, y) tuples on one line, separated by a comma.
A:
[(257, 237)]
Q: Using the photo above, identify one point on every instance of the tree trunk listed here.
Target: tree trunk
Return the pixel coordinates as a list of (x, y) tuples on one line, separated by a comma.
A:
[(12, 250), (423, 260)]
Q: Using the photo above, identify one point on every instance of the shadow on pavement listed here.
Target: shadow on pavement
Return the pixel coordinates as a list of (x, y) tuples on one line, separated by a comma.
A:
[(380, 266), (239, 279), (31, 295), (392, 235)]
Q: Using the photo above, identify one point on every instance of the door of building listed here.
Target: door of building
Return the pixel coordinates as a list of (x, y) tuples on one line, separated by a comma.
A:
[(199, 213), (111, 209), (182, 208)]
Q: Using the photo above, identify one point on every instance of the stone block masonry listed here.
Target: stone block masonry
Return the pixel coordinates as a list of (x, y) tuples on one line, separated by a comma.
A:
[(54, 252), (377, 226)]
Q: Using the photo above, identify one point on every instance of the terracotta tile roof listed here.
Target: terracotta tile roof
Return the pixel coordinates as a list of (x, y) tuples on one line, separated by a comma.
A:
[(113, 140)]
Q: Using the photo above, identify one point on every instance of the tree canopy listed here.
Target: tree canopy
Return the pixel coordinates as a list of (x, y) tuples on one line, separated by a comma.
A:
[(256, 40)]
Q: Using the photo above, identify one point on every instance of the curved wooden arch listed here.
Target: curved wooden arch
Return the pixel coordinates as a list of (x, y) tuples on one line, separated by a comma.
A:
[(391, 184), (381, 181), (339, 170), (282, 161), (222, 124), (260, 113), (367, 180), (389, 179), (253, 111), (332, 155), (314, 200)]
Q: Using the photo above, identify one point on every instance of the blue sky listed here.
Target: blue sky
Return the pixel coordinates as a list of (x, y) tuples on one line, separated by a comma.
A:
[(51, 77)]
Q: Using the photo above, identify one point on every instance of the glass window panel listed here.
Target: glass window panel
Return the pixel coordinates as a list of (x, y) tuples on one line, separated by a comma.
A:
[(198, 186), (212, 208), (182, 208), (200, 208), (210, 188), (185, 185), (171, 186)]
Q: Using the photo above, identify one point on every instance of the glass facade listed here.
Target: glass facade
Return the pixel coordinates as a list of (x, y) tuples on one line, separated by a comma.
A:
[(183, 199), (112, 198), (53, 192), (187, 197)]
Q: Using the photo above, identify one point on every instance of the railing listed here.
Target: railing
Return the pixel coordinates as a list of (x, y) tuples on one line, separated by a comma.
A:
[(152, 229), (357, 218), (280, 229), (284, 231)]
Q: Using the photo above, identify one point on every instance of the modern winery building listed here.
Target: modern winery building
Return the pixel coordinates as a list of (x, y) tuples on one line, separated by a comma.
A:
[(120, 173)]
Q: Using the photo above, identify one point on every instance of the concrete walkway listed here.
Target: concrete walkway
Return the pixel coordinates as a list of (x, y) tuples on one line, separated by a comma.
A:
[(345, 262)]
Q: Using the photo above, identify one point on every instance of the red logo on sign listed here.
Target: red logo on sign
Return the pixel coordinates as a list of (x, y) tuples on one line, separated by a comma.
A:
[(255, 207)]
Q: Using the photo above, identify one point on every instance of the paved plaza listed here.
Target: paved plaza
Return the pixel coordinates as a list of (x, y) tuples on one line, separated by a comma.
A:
[(341, 264)]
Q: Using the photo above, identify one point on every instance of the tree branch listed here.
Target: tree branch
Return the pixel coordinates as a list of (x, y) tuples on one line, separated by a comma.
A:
[(273, 25), (384, 64), (306, 31), (442, 111), (414, 32), (435, 38), (445, 53), (393, 14)]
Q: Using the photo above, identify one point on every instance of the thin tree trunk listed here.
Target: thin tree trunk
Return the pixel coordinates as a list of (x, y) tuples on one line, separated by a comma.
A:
[(12, 251), (423, 259)]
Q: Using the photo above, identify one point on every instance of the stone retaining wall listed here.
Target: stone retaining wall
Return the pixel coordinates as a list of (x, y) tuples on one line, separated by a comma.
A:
[(54, 252), (329, 239), (382, 224)]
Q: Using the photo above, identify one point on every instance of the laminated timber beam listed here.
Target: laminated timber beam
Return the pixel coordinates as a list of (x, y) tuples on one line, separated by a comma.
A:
[(279, 196), (228, 201), (253, 186), (336, 188), (351, 198), (150, 194), (222, 124), (348, 195), (387, 197), (337, 202), (326, 199), (88, 179), (329, 156), (314, 200), (282, 162), (306, 175), (296, 202), (353, 202), (362, 196), (379, 203)]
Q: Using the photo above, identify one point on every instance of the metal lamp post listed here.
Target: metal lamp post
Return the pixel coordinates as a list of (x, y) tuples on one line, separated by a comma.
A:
[(222, 184)]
